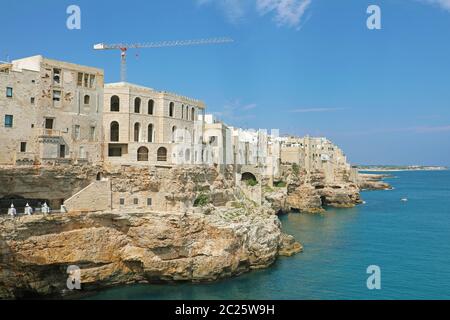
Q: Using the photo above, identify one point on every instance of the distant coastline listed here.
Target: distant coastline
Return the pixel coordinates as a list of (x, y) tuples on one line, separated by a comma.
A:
[(387, 168)]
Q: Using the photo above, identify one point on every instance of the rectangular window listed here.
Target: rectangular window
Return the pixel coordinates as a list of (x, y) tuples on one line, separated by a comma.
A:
[(136, 201), (23, 147), (56, 95), (149, 202), (56, 76), (49, 123), (9, 119), (92, 134), (91, 81), (77, 133), (114, 151), (122, 201), (32, 100), (86, 80), (9, 92), (80, 79)]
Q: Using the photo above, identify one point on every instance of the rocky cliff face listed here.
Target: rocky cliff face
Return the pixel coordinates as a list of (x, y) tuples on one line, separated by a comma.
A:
[(310, 192), (373, 182), (119, 248)]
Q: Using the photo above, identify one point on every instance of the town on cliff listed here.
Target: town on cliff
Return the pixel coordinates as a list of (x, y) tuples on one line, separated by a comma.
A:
[(131, 184)]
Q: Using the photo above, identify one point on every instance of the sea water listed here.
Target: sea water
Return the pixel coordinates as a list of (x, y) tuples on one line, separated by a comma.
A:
[(408, 240)]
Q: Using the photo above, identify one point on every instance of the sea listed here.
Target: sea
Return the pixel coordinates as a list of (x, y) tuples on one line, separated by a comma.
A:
[(407, 243)]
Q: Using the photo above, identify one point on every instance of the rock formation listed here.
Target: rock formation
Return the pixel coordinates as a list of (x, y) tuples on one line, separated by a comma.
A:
[(311, 192), (119, 248), (373, 182)]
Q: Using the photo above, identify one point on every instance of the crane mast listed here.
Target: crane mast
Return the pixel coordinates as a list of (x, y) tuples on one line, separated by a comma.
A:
[(123, 47)]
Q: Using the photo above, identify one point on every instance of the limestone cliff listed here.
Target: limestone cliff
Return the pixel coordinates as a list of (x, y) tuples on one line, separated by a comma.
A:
[(311, 191), (118, 248), (373, 182)]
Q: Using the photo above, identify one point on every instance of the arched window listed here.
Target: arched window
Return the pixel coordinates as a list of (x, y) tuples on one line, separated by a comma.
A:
[(137, 105), (162, 154), (114, 131), (182, 111), (150, 133), (151, 105), (137, 132), (187, 112), (115, 104), (174, 130), (142, 154), (193, 114), (171, 107), (87, 99)]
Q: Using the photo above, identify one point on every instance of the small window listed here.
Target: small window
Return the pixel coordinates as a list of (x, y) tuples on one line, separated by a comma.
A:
[(149, 202), (56, 95), (91, 81), (57, 76), (9, 92), (92, 134), (32, 100), (136, 201), (33, 81), (77, 133), (49, 123), (9, 119), (87, 99), (80, 79), (122, 201), (171, 107), (137, 105), (151, 105), (23, 147), (86, 80), (115, 104)]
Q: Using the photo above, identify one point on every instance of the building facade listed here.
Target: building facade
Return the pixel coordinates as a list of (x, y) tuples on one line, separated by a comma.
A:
[(50, 111), (145, 126)]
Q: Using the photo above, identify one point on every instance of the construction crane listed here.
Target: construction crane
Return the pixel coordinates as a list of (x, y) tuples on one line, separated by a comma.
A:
[(123, 47)]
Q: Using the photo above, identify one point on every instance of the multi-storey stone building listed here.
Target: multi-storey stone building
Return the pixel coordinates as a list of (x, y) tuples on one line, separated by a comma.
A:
[(315, 154), (50, 111), (145, 126)]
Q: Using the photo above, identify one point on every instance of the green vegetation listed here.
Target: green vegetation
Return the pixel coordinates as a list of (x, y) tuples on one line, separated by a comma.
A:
[(202, 200), (251, 182), (295, 168), (280, 184)]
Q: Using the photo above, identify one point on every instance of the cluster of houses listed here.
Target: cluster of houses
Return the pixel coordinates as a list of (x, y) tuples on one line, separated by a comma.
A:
[(59, 112)]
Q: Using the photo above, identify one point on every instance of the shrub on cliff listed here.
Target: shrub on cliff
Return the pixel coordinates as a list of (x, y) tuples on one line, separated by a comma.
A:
[(202, 200), (251, 182)]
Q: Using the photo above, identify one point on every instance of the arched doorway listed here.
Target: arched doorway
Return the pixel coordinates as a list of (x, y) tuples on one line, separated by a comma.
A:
[(162, 154), (114, 131), (142, 154)]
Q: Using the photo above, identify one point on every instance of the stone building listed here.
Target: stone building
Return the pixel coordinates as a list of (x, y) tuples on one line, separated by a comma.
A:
[(149, 127), (217, 138), (50, 111), (315, 154)]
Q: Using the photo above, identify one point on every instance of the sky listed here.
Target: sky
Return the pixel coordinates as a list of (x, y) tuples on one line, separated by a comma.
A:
[(300, 66)]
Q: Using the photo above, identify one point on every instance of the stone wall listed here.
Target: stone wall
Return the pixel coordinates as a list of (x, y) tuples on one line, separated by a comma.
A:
[(95, 197)]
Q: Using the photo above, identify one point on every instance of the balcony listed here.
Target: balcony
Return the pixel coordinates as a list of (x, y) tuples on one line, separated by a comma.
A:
[(42, 132)]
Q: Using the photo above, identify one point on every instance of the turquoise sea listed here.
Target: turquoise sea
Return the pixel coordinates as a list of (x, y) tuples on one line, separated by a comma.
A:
[(409, 241)]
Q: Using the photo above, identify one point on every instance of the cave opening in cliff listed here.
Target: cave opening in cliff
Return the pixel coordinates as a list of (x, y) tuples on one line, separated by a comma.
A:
[(249, 178), (19, 203)]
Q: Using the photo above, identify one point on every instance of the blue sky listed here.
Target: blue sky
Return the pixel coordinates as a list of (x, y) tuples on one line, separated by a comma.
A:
[(303, 66)]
